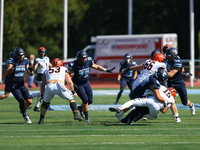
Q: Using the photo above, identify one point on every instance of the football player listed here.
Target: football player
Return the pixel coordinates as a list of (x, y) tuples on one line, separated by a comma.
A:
[(79, 71), (6, 81), (152, 83), (41, 63), (15, 72), (176, 80), (54, 79), (153, 105), (126, 78)]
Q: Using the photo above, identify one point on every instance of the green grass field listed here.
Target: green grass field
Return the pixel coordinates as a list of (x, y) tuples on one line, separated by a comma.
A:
[(61, 131)]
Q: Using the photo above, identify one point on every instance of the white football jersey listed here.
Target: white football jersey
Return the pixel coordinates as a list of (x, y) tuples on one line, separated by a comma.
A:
[(44, 64), (56, 73), (150, 67)]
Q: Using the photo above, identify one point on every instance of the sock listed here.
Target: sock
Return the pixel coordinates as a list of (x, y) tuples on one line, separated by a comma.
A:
[(73, 108), (38, 102), (86, 115)]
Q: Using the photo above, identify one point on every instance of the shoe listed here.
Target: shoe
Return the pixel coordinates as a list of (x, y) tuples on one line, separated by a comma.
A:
[(178, 120), (36, 109), (78, 118), (138, 117), (117, 110), (27, 119), (41, 121), (49, 108), (81, 111), (192, 109), (120, 115), (30, 107), (144, 118), (87, 120)]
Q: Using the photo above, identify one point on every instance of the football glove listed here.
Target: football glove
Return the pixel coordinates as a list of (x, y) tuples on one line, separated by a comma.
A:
[(187, 74), (30, 68), (125, 70), (110, 70), (117, 81)]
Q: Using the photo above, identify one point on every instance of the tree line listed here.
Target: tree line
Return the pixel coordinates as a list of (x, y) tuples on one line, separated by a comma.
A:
[(31, 24)]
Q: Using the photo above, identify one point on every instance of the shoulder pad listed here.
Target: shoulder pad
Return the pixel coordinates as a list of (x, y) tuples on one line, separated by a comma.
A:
[(134, 63), (89, 58)]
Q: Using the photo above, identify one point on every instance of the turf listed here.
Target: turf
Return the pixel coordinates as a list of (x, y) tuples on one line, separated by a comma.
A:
[(61, 131)]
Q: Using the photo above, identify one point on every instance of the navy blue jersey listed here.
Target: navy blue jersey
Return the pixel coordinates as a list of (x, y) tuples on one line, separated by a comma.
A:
[(16, 76), (130, 73), (178, 77), (142, 87), (81, 72)]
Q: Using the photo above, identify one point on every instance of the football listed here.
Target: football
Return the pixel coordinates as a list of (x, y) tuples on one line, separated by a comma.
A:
[(173, 91)]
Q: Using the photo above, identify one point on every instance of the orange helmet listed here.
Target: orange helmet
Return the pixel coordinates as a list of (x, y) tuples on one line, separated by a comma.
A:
[(41, 50), (159, 57), (166, 47), (173, 91), (57, 62)]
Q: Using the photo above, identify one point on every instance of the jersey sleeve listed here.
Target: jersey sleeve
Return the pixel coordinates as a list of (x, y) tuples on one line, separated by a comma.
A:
[(177, 63), (91, 61), (154, 83)]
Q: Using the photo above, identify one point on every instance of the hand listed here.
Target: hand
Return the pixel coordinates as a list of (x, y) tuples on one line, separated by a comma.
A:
[(110, 70), (30, 68), (187, 74), (125, 70), (117, 81)]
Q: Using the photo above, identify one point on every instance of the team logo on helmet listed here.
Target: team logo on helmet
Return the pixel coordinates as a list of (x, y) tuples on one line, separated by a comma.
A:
[(57, 62), (81, 55), (159, 57)]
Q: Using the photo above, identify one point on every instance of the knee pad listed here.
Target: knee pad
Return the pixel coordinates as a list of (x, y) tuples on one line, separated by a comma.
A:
[(45, 105)]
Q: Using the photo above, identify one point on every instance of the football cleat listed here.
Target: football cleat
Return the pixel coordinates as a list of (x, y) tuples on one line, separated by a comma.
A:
[(120, 115), (178, 120), (117, 110), (81, 111), (78, 118), (87, 120), (192, 109), (41, 121), (36, 109), (27, 119)]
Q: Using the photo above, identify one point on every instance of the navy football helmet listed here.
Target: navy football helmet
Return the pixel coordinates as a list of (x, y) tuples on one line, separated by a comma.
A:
[(11, 54), (127, 57), (162, 76), (172, 53), (80, 56), (154, 52), (19, 52)]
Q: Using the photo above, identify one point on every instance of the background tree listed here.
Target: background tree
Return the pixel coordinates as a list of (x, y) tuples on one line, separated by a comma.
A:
[(33, 23)]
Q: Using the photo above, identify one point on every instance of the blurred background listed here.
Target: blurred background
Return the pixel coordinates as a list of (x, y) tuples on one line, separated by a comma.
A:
[(31, 24)]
